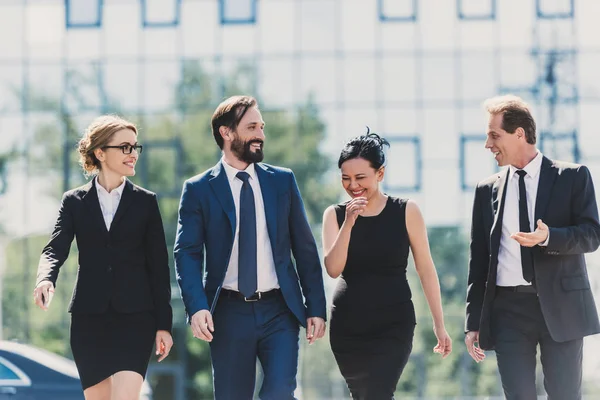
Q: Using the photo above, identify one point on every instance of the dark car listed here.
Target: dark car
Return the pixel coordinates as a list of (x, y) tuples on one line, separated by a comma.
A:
[(30, 373)]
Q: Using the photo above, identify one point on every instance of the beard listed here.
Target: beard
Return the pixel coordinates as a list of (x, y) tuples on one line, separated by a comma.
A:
[(243, 151)]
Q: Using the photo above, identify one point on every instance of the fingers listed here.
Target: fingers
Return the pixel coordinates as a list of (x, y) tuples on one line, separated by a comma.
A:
[(356, 206), (202, 325), (526, 239), (474, 351), (42, 295), (321, 331), (315, 329), (541, 225), (310, 328), (444, 346), (164, 343), (38, 299)]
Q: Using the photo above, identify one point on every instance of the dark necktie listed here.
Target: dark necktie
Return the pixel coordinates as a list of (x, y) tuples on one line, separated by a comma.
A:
[(526, 253), (247, 281)]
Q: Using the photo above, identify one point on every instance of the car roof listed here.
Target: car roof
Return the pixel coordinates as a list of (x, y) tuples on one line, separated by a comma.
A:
[(41, 356)]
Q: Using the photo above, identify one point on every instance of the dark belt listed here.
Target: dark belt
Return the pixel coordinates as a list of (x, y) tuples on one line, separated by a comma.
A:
[(517, 289), (255, 297)]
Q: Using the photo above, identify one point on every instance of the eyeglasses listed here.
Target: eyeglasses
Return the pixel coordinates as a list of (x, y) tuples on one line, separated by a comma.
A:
[(127, 148)]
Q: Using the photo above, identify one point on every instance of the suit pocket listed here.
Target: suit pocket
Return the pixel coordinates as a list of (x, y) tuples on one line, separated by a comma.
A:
[(578, 282)]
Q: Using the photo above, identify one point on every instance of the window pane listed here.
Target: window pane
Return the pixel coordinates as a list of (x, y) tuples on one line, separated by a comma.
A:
[(7, 373), (403, 170), (83, 13), (397, 10), (476, 9), (160, 12), (82, 87), (560, 146), (238, 11), (555, 8)]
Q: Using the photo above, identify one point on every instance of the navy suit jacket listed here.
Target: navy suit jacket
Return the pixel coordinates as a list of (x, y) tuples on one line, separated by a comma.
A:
[(205, 235)]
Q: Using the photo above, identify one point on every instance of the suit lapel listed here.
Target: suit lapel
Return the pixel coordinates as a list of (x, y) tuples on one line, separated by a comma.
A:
[(124, 203), (90, 199), (548, 174), (269, 194), (222, 190), (498, 198)]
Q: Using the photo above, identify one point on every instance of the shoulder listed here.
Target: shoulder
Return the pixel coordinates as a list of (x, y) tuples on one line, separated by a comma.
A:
[(142, 191), (330, 212), (200, 178), (490, 180), (400, 202), (569, 167), (78, 192), (278, 171), (411, 206)]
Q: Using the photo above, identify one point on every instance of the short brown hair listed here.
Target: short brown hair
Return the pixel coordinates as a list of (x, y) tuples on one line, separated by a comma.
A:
[(515, 114), (229, 113), (97, 135)]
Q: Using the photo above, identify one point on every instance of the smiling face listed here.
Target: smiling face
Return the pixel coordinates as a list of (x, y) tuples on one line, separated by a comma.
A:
[(360, 179), (112, 160), (247, 142), (506, 147)]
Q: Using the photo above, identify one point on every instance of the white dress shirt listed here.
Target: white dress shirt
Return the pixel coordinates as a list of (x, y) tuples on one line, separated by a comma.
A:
[(510, 271), (267, 277), (109, 202)]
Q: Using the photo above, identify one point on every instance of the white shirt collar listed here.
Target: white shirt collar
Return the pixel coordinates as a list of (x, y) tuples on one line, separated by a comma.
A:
[(532, 169), (104, 192), (232, 172)]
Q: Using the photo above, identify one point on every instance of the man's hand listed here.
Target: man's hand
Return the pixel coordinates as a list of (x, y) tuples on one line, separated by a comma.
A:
[(202, 325), (530, 239), (164, 342), (42, 294), (315, 329), (475, 351)]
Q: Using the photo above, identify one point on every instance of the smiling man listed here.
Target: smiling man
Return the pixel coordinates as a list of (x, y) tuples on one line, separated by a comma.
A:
[(528, 284), (247, 219)]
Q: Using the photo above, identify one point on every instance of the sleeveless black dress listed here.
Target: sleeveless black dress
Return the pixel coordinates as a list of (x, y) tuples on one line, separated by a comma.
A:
[(373, 318)]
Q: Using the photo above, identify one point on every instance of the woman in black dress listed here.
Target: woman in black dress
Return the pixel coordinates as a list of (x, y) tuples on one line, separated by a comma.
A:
[(366, 242), (121, 300)]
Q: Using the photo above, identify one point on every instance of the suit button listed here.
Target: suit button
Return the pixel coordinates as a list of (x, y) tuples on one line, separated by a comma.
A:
[(109, 269)]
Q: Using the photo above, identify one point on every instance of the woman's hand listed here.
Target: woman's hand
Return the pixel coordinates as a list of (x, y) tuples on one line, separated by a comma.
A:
[(42, 294), (164, 342), (444, 345), (354, 208)]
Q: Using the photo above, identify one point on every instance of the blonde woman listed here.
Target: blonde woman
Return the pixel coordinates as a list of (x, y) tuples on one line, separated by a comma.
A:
[(121, 300)]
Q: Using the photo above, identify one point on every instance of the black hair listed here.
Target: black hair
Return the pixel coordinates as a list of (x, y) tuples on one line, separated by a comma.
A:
[(369, 146)]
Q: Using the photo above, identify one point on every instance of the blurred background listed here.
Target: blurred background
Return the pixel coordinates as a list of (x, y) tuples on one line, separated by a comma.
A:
[(415, 71)]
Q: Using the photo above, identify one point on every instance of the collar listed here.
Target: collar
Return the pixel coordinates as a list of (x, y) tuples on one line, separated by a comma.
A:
[(532, 169), (232, 172), (102, 190)]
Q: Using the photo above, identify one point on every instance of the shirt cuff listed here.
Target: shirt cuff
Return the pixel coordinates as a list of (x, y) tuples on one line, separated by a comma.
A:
[(545, 244)]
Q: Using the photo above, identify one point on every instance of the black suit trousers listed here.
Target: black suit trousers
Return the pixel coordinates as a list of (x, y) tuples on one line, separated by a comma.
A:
[(518, 327)]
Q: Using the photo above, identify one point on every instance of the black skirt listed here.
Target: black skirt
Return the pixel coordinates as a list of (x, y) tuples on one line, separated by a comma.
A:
[(104, 344)]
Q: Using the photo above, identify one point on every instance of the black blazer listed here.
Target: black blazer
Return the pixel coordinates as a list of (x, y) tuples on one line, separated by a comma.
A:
[(126, 266), (566, 202)]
